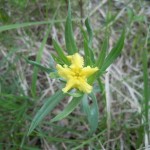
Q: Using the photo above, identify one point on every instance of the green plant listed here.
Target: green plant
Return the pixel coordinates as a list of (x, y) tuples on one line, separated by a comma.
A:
[(103, 61)]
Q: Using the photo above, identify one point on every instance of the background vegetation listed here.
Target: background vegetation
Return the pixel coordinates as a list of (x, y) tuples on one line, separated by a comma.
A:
[(26, 27)]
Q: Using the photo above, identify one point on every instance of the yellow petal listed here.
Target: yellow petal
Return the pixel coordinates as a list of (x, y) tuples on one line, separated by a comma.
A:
[(70, 84), (85, 87), (76, 75), (76, 60), (64, 72), (88, 71), (69, 57)]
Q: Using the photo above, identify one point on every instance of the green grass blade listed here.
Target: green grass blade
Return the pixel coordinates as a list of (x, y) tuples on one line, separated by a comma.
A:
[(28, 24), (60, 52), (146, 81), (45, 109), (115, 52), (69, 108), (69, 37), (146, 92), (38, 58), (22, 25)]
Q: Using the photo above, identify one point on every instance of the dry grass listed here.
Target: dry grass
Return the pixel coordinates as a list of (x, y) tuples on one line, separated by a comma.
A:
[(122, 129)]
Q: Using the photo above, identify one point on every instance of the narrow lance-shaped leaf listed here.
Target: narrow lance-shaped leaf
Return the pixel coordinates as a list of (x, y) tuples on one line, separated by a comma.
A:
[(60, 52), (100, 60), (45, 109), (84, 33), (69, 108), (48, 70), (91, 112), (89, 30), (87, 53), (102, 54), (88, 44), (69, 37), (85, 40), (94, 113), (57, 59), (86, 107), (115, 52)]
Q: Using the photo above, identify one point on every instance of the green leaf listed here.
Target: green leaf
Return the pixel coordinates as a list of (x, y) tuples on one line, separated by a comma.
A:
[(48, 70), (89, 56), (48, 106), (69, 108), (102, 54), (87, 40), (75, 94), (57, 59), (92, 112), (84, 33), (60, 52), (115, 52), (100, 61), (54, 75), (85, 103), (69, 37), (90, 31)]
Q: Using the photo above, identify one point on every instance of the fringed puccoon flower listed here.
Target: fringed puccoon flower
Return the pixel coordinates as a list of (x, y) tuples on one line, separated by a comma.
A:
[(76, 74)]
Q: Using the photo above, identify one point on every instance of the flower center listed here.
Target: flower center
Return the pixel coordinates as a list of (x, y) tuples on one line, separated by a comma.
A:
[(77, 74)]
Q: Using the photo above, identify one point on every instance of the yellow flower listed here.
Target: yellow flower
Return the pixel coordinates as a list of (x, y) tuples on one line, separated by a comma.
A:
[(76, 75)]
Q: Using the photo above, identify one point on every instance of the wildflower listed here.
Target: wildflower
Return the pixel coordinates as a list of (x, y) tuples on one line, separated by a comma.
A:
[(76, 75)]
